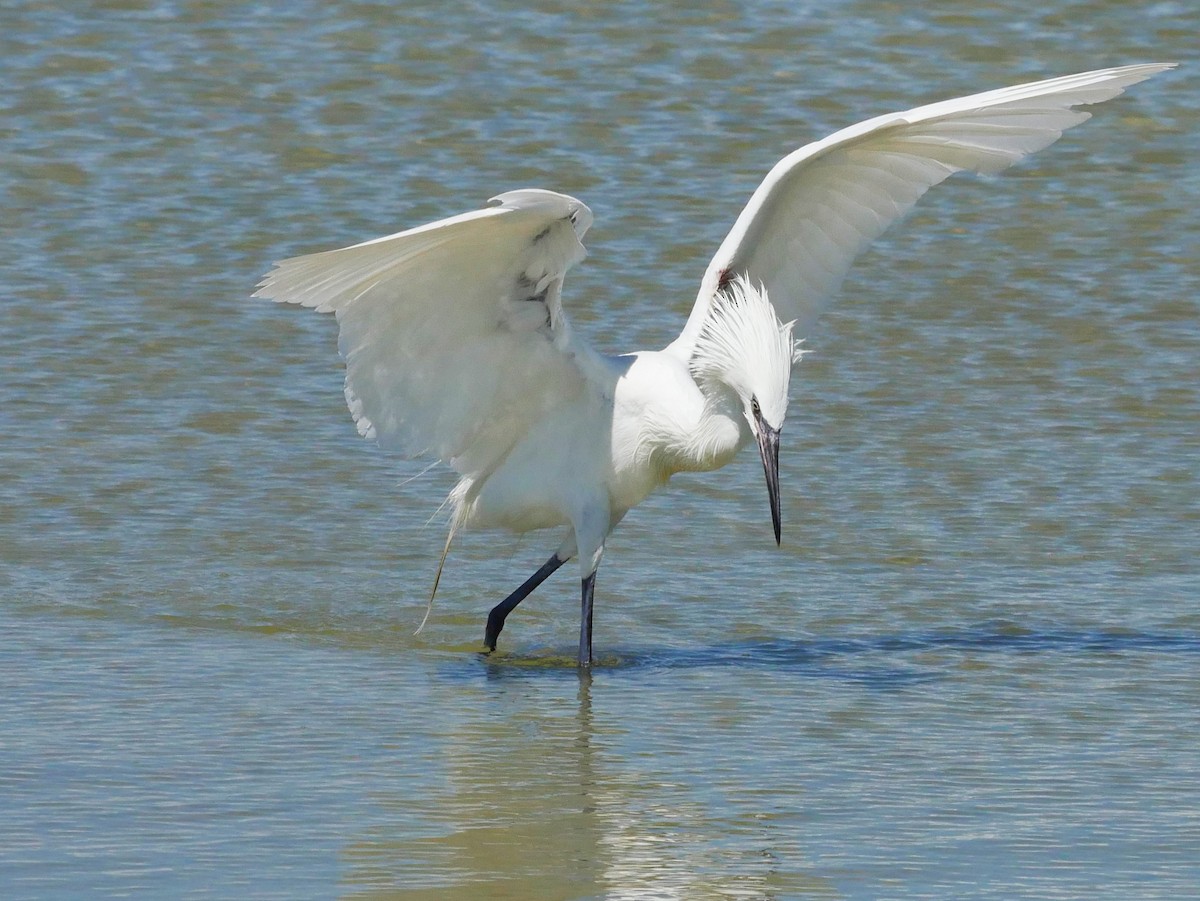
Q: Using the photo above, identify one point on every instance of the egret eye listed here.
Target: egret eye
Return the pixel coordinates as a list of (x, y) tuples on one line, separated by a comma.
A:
[(754, 408)]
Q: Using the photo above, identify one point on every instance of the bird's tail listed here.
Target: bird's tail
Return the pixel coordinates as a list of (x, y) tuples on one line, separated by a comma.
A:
[(438, 578), (458, 501)]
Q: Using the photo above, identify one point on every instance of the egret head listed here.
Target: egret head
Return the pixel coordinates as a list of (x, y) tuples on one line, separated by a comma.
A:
[(745, 349)]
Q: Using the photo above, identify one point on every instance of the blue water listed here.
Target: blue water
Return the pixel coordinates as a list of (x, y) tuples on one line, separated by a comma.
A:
[(969, 672)]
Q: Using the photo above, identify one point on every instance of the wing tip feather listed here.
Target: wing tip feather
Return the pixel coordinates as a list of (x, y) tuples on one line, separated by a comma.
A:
[(1055, 100)]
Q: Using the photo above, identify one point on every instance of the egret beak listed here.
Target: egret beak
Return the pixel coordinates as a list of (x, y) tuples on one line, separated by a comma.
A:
[(768, 447)]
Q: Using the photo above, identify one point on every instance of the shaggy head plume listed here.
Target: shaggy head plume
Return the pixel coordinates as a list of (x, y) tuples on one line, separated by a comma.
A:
[(744, 345)]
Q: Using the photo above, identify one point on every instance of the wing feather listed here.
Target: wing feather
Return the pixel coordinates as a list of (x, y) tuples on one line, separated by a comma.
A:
[(453, 333), (823, 204)]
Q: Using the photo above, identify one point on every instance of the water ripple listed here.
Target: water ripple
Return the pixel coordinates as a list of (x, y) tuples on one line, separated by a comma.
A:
[(829, 657)]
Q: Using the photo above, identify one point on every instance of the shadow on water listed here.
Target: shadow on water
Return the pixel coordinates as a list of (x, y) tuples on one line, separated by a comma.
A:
[(884, 661)]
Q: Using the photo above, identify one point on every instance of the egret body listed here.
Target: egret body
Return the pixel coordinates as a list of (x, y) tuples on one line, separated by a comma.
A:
[(456, 342)]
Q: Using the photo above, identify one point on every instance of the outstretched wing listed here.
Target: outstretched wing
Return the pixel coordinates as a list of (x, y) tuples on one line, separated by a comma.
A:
[(453, 333), (820, 206)]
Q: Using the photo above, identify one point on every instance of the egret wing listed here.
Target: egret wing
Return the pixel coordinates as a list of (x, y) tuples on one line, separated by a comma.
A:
[(453, 333), (820, 206)]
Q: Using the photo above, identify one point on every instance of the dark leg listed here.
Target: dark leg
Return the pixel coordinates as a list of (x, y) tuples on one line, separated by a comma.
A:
[(585, 622), (501, 611)]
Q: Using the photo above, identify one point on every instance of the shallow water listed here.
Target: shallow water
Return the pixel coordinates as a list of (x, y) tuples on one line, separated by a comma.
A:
[(970, 671)]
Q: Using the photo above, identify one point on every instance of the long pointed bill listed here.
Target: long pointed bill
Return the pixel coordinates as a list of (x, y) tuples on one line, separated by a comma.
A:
[(768, 447)]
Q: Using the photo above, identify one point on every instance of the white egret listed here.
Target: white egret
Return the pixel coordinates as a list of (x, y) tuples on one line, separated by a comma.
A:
[(456, 342)]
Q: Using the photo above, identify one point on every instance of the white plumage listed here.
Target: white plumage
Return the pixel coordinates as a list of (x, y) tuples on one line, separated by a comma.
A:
[(456, 342)]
